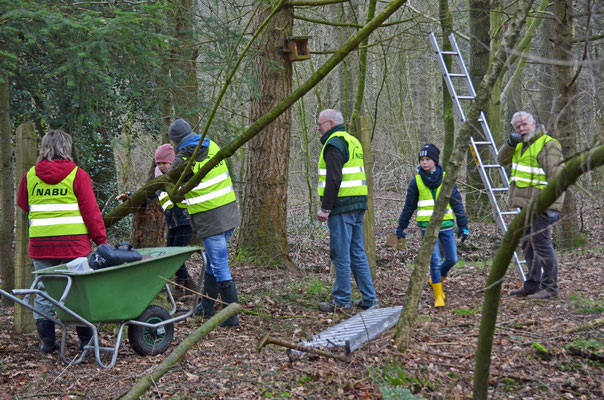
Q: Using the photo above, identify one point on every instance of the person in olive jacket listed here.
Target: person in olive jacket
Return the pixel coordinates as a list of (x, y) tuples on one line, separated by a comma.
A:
[(536, 158)]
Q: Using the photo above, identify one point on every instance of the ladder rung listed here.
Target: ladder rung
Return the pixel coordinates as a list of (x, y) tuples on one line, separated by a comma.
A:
[(451, 53), (509, 212), (483, 142), (457, 74), (491, 166), (502, 189), (465, 97)]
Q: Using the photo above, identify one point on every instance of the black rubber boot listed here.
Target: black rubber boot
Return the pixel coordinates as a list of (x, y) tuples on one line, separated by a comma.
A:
[(46, 331), (210, 289), (85, 334), (228, 293)]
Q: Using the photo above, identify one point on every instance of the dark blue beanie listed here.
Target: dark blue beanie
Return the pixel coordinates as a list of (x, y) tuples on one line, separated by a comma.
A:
[(430, 150)]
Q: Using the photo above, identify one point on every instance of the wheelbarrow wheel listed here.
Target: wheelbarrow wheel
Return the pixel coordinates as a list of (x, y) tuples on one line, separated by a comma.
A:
[(149, 341)]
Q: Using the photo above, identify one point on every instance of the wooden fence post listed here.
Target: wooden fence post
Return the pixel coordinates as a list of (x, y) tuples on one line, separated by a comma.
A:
[(364, 135), (26, 151)]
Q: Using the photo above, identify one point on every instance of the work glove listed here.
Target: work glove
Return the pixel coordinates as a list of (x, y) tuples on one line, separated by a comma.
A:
[(463, 233), (514, 139), (400, 233)]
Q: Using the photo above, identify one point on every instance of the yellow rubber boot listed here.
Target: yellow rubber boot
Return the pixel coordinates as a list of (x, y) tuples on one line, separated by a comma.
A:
[(442, 280), (439, 295)]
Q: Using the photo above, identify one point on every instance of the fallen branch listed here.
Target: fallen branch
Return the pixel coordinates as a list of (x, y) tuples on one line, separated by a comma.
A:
[(266, 339), (179, 352), (577, 351), (593, 324)]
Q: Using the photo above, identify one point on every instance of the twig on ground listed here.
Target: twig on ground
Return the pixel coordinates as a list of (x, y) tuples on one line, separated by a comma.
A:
[(267, 339)]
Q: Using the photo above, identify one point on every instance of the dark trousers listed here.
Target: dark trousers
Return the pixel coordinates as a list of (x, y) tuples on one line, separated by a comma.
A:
[(180, 236), (539, 255)]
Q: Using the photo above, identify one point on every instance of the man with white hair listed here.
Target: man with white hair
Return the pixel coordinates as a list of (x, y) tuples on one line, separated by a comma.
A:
[(536, 158), (343, 191)]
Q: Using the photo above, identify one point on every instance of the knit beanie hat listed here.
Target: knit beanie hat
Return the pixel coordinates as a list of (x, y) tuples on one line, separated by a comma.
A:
[(165, 153), (430, 150), (179, 130)]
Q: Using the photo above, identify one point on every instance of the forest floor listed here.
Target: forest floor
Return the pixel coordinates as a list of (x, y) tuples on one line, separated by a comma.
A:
[(438, 365)]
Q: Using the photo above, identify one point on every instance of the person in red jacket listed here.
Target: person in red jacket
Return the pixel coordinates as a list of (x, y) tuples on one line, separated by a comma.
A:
[(63, 217)]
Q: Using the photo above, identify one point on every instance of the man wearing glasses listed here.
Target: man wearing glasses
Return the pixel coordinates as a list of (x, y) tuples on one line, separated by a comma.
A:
[(343, 191)]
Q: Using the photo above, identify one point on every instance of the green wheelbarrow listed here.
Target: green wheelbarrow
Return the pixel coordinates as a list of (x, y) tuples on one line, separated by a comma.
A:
[(121, 294)]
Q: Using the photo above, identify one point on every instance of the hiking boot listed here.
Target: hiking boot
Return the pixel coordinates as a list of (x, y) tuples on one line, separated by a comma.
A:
[(522, 292), (543, 294)]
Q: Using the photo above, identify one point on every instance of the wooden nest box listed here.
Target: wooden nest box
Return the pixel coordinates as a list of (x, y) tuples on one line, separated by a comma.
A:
[(296, 48)]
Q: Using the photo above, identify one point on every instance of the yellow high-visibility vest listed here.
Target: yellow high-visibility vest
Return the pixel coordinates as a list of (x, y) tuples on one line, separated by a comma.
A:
[(354, 181), (53, 209)]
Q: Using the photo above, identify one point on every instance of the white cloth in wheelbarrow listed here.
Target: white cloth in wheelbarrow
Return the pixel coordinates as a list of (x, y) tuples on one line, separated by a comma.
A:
[(108, 256)]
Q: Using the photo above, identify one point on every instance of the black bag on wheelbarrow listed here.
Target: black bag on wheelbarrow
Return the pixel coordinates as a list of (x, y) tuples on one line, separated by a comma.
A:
[(108, 256)]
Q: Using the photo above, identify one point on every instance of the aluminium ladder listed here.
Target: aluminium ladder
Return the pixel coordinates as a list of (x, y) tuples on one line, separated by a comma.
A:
[(492, 190)]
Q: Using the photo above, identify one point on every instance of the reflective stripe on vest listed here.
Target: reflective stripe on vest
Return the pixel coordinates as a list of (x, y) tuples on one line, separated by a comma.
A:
[(354, 181), (526, 170), (214, 190), (53, 209), (425, 203), (166, 203)]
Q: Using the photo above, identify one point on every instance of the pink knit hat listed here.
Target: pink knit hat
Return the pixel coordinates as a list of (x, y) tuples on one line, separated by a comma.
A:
[(164, 153)]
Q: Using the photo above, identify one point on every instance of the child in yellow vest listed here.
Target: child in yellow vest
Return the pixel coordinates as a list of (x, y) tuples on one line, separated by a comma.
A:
[(421, 196)]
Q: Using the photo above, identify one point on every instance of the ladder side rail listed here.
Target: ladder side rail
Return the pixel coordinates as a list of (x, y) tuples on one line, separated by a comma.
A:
[(447, 78), (487, 184), (462, 65), (518, 262), (493, 147)]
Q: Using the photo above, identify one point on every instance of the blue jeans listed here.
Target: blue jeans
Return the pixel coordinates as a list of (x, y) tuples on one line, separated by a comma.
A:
[(40, 303), (440, 268), (347, 253), (218, 259)]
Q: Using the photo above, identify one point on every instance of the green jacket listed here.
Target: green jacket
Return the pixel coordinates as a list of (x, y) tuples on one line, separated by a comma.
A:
[(550, 159)]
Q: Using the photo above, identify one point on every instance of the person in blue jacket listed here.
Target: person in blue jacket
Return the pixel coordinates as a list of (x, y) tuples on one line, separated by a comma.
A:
[(421, 196)]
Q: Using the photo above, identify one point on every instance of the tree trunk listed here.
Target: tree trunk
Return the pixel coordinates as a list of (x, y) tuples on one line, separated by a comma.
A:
[(149, 222), (25, 157), (493, 111), (263, 232), (446, 25), (572, 170), (565, 127), (183, 68), (362, 78), (364, 136), (477, 203), (545, 112), (7, 193), (404, 328)]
